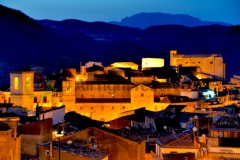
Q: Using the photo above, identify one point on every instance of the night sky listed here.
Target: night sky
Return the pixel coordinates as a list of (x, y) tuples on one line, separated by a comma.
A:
[(109, 10)]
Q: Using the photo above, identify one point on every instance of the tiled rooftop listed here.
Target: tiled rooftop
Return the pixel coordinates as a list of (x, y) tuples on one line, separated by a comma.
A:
[(131, 134), (78, 147), (228, 122), (177, 140)]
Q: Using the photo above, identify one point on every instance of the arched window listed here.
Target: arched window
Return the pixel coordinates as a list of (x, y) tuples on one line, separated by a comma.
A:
[(16, 83)]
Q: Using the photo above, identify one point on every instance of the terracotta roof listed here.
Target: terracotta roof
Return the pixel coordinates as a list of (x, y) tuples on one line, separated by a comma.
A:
[(180, 140)]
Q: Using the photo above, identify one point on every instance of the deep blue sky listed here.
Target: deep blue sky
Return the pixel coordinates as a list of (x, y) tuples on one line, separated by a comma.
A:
[(108, 10)]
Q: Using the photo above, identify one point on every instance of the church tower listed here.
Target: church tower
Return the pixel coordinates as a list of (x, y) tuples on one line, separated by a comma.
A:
[(22, 88)]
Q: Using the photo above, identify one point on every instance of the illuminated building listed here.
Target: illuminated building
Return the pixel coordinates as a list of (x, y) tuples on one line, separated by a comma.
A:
[(10, 141), (94, 143), (208, 64), (177, 146), (34, 133), (223, 140), (148, 63), (104, 96), (235, 80)]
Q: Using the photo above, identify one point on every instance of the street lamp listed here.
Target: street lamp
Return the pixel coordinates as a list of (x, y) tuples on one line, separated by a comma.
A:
[(194, 135), (165, 128), (59, 133), (196, 120)]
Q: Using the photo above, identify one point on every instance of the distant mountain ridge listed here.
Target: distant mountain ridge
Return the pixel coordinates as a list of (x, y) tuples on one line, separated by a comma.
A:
[(144, 20), (61, 44)]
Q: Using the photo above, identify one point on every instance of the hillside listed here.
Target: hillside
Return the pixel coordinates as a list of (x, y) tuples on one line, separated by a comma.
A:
[(58, 44)]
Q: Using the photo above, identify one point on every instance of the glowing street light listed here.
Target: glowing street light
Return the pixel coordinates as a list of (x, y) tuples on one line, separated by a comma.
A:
[(59, 133)]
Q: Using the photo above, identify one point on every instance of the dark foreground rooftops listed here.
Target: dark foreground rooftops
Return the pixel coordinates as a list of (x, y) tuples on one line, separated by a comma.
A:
[(78, 147)]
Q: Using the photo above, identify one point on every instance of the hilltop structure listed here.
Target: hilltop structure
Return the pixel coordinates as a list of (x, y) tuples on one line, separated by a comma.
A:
[(208, 65)]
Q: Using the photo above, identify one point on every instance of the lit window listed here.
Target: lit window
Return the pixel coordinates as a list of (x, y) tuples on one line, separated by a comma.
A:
[(16, 83), (28, 84)]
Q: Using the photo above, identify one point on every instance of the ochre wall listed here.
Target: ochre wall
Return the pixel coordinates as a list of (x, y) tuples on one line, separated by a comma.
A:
[(10, 147), (119, 148)]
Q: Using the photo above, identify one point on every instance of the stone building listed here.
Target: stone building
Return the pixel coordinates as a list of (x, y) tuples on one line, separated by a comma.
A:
[(93, 143), (104, 97), (35, 133), (10, 141), (208, 64)]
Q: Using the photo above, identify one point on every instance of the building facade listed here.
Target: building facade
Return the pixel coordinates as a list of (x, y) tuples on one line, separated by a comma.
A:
[(208, 64)]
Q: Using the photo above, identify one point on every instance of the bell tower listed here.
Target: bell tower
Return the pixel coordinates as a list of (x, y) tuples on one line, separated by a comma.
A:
[(22, 88)]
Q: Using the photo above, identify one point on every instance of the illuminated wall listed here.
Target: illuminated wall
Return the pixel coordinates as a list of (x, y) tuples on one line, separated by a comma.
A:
[(211, 64), (142, 96), (102, 90), (21, 90), (10, 141), (152, 63), (35, 133)]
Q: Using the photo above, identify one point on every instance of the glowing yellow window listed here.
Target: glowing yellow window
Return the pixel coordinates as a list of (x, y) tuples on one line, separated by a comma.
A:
[(28, 83), (16, 83)]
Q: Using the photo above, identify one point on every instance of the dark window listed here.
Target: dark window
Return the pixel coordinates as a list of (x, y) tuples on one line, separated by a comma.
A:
[(44, 99), (35, 99)]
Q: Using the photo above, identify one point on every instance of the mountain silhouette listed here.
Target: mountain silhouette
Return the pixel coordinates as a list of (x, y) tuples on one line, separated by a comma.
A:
[(145, 20), (60, 44)]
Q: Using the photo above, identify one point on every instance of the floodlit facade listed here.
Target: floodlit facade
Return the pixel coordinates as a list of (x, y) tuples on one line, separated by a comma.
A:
[(148, 63), (99, 99), (10, 141), (209, 64)]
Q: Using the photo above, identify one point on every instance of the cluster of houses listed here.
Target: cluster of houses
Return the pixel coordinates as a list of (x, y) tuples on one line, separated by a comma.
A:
[(185, 110)]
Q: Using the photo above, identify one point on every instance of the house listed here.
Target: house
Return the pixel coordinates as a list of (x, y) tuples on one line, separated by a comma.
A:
[(177, 146), (94, 143), (223, 138), (10, 140)]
